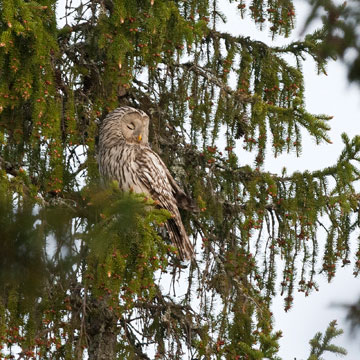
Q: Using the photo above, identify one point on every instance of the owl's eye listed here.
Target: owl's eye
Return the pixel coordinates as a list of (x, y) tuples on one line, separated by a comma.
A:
[(131, 126)]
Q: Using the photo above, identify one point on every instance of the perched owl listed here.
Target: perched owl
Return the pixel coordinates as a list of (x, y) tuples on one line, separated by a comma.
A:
[(125, 156)]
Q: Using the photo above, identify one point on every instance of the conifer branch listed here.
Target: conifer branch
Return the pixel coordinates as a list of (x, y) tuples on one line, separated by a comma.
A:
[(297, 48), (133, 340), (214, 79), (9, 168), (321, 343)]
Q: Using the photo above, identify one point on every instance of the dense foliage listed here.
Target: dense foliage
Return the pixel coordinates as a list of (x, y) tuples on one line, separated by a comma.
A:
[(87, 270)]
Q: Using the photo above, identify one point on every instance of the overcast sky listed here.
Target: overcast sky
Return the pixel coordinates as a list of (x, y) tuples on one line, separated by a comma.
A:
[(331, 95)]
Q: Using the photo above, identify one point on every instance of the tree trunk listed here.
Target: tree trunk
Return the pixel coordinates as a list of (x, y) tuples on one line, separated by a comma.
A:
[(101, 331)]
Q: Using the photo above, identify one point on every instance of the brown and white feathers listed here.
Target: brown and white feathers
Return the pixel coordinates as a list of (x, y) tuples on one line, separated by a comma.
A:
[(125, 156)]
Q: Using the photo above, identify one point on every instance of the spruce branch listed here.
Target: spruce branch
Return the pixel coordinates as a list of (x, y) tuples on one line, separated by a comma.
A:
[(322, 343), (308, 46), (9, 168), (213, 78)]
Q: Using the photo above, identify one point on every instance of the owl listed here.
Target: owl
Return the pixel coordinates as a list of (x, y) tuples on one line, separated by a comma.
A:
[(125, 156)]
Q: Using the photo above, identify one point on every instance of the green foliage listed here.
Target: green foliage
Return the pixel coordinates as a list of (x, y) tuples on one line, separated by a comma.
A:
[(84, 269), (122, 251), (321, 343), (125, 249)]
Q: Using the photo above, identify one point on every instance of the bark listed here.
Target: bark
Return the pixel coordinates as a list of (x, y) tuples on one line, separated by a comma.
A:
[(101, 331)]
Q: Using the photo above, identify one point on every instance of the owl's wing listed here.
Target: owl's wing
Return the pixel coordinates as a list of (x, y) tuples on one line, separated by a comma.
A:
[(153, 174), (183, 201), (160, 175)]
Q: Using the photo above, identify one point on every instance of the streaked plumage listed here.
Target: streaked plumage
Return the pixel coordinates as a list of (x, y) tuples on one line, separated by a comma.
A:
[(125, 156)]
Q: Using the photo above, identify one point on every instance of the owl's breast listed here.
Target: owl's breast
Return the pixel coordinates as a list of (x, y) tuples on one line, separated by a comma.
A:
[(119, 163)]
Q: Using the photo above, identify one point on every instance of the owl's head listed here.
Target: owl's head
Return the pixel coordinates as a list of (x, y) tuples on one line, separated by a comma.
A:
[(125, 124)]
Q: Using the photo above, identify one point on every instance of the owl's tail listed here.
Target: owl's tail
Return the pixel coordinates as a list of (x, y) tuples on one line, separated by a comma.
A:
[(180, 239)]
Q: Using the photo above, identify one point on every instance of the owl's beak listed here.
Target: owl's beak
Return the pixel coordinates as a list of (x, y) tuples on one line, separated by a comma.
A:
[(139, 138)]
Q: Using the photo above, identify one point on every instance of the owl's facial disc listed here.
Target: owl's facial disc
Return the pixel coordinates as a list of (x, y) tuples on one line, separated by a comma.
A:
[(133, 128)]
